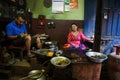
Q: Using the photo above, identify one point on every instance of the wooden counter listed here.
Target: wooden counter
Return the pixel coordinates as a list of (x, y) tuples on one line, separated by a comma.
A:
[(82, 68), (86, 71)]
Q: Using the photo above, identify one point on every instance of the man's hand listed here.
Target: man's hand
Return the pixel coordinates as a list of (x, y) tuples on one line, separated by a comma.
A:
[(22, 35)]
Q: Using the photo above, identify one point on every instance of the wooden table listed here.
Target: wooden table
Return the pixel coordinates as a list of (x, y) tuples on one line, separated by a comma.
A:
[(82, 67)]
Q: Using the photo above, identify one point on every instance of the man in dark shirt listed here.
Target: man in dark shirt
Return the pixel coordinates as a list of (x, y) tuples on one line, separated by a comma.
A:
[(17, 33)]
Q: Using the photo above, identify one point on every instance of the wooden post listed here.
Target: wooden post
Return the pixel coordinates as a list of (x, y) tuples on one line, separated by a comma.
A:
[(98, 26)]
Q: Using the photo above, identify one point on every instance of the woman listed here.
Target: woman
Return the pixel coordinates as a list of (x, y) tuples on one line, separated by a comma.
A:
[(76, 37)]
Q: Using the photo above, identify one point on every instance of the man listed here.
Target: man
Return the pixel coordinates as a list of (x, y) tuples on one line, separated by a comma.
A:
[(17, 33)]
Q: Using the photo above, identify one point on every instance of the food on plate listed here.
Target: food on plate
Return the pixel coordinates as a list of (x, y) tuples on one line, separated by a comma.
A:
[(98, 56), (74, 55), (62, 62)]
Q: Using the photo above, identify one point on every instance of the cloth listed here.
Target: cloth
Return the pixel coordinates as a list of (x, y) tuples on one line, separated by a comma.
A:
[(76, 40), (110, 47), (12, 29), (21, 41), (81, 47)]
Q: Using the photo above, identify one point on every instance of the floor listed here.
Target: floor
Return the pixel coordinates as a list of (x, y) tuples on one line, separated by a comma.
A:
[(15, 70), (20, 69)]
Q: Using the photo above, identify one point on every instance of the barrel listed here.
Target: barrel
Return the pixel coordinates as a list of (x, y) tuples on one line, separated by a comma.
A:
[(114, 66), (117, 49)]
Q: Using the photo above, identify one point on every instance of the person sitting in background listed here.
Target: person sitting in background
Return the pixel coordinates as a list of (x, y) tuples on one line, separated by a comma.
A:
[(76, 37), (16, 32)]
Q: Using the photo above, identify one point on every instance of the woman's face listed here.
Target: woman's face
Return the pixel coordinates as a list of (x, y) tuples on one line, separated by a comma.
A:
[(74, 27)]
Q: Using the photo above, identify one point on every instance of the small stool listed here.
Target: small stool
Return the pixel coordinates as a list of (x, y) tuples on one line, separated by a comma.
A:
[(16, 49)]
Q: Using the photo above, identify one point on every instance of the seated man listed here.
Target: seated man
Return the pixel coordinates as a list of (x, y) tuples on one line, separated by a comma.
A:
[(75, 37), (17, 34)]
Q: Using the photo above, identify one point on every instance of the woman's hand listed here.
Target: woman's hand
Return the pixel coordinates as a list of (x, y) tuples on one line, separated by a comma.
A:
[(76, 46)]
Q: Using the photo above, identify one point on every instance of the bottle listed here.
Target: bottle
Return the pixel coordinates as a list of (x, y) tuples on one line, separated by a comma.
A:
[(29, 10)]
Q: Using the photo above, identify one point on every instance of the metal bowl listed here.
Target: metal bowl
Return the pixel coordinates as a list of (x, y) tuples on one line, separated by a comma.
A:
[(42, 52), (60, 61), (96, 56)]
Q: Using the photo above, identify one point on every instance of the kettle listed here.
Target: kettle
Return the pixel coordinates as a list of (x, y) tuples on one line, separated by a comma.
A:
[(35, 75), (38, 75)]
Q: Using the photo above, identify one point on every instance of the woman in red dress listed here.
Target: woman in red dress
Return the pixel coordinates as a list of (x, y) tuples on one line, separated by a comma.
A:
[(76, 37)]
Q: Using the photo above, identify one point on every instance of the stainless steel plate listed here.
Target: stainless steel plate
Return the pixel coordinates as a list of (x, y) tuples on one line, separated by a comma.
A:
[(96, 56)]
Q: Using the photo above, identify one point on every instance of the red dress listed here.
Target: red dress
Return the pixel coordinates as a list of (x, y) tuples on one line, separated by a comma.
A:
[(74, 40)]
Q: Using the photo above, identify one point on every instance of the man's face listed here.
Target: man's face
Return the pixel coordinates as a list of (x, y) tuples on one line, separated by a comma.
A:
[(20, 20)]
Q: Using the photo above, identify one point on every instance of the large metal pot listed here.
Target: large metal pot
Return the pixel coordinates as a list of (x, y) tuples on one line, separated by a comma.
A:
[(96, 57)]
